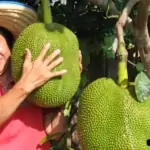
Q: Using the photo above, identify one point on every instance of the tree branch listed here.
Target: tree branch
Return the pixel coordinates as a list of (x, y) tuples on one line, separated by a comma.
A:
[(122, 52), (123, 19), (113, 11), (141, 34), (103, 4)]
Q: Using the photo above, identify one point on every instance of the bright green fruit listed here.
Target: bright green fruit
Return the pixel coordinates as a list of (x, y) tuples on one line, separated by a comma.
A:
[(58, 90), (109, 118)]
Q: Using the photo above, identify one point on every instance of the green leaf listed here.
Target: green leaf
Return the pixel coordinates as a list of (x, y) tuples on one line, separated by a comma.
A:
[(110, 54), (107, 46), (142, 87), (139, 67), (50, 137), (67, 112), (67, 109), (63, 2), (53, 148), (108, 40)]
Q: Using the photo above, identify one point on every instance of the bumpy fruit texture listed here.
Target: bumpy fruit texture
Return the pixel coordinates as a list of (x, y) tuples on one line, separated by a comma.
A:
[(109, 118), (58, 90)]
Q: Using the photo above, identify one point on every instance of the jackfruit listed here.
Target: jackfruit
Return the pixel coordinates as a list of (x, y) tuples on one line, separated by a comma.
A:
[(110, 118), (59, 90)]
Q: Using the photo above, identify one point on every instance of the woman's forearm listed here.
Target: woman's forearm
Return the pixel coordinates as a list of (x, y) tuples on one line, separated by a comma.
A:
[(11, 101)]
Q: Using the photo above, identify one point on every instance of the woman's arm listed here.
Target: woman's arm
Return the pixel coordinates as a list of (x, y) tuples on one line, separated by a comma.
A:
[(11, 101), (31, 79)]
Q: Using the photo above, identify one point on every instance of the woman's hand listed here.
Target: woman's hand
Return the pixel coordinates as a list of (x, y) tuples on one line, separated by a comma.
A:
[(55, 122), (38, 72)]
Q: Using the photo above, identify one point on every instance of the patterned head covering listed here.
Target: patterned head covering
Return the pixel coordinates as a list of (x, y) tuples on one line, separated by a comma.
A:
[(15, 16)]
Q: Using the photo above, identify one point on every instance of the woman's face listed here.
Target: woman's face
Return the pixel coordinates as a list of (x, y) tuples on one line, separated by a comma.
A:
[(5, 54)]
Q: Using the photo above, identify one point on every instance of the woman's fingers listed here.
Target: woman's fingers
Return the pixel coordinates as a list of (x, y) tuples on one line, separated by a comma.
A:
[(55, 63), (28, 55), (51, 57), (44, 51), (80, 61), (58, 73), (80, 56), (28, 60)]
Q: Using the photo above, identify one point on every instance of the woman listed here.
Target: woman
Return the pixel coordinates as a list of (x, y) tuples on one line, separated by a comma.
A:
[(21, 123)]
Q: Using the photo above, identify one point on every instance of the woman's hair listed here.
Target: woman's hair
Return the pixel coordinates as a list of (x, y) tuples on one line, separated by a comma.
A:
[(8, 36)]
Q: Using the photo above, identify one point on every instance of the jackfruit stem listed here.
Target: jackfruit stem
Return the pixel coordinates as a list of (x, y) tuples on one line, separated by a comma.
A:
[(47, 14), (122, 66)]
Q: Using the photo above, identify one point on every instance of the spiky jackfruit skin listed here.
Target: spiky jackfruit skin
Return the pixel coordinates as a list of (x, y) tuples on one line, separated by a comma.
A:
[(58, 90), (109, 118)]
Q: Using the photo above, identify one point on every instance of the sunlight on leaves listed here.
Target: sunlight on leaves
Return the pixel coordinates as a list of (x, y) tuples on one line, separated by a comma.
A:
[(142, 87)]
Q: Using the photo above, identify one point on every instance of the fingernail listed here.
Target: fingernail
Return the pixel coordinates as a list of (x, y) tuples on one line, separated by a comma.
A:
[(48, 45), (26, 50), (64, 71), (57, 51), (61, 58)]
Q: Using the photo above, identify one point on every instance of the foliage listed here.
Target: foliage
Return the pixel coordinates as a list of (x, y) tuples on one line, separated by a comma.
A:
[(142, 87)]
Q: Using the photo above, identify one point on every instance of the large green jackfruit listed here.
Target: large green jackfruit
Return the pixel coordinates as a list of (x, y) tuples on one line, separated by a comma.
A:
[(58, 90), (110, 118)]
